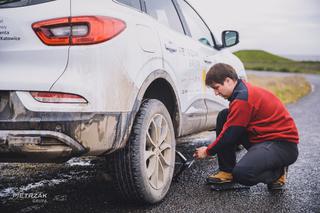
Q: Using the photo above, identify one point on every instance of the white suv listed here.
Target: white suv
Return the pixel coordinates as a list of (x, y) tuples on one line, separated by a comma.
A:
[(120, 79)]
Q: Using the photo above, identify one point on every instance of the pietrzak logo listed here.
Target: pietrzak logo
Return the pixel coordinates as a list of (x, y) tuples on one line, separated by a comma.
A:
[(35, 197)]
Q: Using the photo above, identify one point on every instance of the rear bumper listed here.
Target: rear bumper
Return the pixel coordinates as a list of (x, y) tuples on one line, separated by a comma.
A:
[(27, 136), (37, 146)]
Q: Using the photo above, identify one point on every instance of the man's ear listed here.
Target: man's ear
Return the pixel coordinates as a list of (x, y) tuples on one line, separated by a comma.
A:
[(227, 80)]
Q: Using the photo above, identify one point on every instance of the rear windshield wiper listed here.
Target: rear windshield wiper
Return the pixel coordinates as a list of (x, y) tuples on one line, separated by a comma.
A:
[(20, 3), (7, 1)]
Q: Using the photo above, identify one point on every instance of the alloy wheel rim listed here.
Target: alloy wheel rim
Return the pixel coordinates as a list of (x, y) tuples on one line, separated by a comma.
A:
[(158, 157)]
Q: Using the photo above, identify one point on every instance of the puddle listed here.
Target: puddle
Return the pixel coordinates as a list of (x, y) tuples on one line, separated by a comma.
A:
[(79, 162)]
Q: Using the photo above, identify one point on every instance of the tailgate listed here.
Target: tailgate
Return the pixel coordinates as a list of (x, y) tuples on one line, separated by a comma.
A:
[(25, 62)]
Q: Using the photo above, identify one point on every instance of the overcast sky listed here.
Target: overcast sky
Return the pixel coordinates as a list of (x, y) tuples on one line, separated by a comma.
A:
[(278, 26)]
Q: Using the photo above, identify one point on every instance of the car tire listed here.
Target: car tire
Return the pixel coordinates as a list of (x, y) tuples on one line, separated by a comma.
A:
[(143, 170)]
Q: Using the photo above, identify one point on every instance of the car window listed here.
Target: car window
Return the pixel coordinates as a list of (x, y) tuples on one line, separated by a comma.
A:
[(20, 3), (131, 3), (197, 27), (165, 12)]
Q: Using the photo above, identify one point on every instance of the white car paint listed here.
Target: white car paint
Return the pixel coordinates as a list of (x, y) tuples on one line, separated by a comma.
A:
[(109, 75)]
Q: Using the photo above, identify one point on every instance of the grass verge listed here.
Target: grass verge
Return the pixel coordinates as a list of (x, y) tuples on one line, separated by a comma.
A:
[(287, 89)]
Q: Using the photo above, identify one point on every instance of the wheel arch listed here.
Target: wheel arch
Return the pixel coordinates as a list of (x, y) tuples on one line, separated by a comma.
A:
[(155, 80), (159, 85)]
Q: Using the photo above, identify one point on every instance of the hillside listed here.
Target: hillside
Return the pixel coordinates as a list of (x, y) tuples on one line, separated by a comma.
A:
[(262, 60)]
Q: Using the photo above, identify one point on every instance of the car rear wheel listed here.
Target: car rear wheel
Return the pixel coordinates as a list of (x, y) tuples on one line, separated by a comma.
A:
[(143, 170)]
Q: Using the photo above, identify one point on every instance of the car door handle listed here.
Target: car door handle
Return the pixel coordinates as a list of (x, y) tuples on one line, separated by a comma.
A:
[(170, 48), (207, 61)]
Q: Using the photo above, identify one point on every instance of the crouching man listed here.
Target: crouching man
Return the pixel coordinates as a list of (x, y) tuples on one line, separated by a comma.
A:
[(257, 120)]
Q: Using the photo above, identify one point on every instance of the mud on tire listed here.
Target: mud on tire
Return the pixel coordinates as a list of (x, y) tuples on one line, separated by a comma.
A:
[(142, 171)]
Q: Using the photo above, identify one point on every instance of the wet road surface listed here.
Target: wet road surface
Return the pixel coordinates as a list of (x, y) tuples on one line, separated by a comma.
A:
[(81, 185)]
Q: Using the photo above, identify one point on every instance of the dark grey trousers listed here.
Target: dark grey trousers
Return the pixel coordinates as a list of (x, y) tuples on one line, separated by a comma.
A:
[(263, 162)]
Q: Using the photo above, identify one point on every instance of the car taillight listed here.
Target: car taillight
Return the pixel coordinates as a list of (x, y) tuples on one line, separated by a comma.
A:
[(78, 30), (56, 97)]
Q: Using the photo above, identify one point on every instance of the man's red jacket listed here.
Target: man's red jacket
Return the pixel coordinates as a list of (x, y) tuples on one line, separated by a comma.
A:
[(259, 114)]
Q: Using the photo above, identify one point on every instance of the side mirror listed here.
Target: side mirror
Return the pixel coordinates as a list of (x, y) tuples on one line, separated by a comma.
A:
[(230, 38)]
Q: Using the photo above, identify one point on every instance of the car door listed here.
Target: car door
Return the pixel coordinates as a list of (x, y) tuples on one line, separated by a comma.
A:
[(181, 58), (199, 32)]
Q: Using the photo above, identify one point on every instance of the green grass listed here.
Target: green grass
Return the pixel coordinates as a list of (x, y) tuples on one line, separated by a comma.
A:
[(262, 60)]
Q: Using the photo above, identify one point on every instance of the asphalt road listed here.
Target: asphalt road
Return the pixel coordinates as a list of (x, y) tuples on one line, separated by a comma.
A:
[(81, 185)]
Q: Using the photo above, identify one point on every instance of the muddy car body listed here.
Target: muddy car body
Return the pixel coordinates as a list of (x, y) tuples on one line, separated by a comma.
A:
[(122, 80)]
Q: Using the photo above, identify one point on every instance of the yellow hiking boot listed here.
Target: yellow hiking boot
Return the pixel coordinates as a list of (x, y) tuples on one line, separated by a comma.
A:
[(279, 184), (220, 177)]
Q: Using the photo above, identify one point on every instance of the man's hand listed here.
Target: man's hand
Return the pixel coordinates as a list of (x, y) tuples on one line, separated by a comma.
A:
[(200, 152)]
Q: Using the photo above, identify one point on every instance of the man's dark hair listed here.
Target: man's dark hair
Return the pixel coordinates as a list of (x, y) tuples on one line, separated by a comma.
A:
[(219, 72)]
